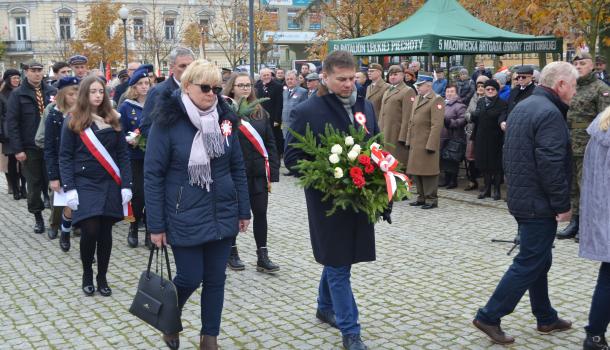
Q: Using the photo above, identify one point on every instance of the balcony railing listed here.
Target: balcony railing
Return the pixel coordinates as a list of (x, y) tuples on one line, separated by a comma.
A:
[(18, 46)]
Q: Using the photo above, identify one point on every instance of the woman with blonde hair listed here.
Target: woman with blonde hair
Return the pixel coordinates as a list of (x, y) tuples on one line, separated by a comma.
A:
[(131, 117), (261, 168), (95, 174), (65, 100), (595, 225), (196, 190)]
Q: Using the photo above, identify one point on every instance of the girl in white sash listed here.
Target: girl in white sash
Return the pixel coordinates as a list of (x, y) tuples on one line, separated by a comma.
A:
[(93, 160), (257, 138)]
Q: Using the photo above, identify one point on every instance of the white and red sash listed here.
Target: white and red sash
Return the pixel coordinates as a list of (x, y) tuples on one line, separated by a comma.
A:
[(257, 141), (100, 153)]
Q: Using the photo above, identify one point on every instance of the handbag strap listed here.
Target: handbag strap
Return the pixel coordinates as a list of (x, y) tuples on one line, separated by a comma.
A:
[(169, 270), (150, 258)]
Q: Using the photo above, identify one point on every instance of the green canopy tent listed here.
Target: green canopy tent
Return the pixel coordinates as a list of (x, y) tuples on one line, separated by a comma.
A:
[(443, 28)]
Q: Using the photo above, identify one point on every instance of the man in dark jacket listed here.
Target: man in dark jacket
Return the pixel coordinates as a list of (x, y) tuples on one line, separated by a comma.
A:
[(346, 237), (179, 59), (525, 86), (481, 70), (122, 87), (25, 107), (537, 164), (268, 87)]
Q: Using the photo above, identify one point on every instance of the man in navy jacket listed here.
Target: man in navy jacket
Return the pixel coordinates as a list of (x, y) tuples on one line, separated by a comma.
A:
[(537, 164)]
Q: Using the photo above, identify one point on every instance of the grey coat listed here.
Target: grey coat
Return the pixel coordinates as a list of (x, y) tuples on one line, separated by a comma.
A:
[(290, 101), (594, 200)]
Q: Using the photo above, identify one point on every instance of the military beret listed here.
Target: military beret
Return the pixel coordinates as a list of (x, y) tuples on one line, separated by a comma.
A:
[(137, 75), (375, 66), (394, 69), (78, 59), (67, 81), (525, 69), (148, 67), (582, 56)]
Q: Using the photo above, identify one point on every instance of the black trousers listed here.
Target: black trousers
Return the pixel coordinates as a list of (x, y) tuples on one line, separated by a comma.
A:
[(15, 173), (33, 168), (279, 139), (258, 204), (96, 235), (471, 171), (137, 201)]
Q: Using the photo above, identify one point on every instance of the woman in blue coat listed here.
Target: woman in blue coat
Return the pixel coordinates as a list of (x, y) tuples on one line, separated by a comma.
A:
[(195, 190), (239, 88), (92, 193), (131, 117), (67, 92)]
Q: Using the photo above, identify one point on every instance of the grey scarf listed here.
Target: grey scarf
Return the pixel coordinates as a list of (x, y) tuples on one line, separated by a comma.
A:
[(347, 103), (207, 143)]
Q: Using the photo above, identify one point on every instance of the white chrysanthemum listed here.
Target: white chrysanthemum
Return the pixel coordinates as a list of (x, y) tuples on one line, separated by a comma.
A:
[(338, 173)]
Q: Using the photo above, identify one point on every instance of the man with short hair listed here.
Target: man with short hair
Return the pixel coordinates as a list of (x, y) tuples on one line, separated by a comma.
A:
[(395, 113), (525, 86), (537, 165), (293, 95), (375, 91), (600, 70), (280, 76), (179, 59), (592, 97), (268, 87), (121, 88), (440, 84), (481, 70), (60, 70), (25, 108), (346, 237), (78, 63), (313, 82), (423, 140)]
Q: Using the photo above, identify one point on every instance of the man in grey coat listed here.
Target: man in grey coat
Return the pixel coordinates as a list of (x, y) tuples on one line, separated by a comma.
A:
[(293, 94)]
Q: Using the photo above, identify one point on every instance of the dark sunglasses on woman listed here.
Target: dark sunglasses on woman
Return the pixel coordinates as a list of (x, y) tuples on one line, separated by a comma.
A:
[(207, 88)]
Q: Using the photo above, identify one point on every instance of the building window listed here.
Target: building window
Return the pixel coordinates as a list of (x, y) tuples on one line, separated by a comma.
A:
[(170, 29), (315, 21), (21, 26), (293, 22), (272, 15), (65, 27), (138, 28)]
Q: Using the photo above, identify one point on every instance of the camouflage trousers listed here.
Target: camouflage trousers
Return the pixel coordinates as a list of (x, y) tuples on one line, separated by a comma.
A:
[(576, 177)]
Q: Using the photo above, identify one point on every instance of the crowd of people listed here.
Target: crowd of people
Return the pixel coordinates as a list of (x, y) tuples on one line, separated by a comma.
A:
[(191, 159)]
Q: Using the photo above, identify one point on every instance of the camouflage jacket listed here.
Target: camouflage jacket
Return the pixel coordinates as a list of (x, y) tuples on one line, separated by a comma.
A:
[(592, 97)]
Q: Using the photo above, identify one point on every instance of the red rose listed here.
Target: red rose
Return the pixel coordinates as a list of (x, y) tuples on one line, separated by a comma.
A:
[(364, 159), (355, 172), (359, 182), (369, 168)]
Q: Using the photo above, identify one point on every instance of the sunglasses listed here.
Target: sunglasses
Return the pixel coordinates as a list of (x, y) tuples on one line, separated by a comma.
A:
[(205, 88), (519, 77), (243, 86)]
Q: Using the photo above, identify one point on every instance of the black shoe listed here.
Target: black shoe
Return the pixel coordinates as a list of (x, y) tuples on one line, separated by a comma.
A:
[(16, 195), (327, 317), (24, 193), (172, 341), (39, 226), (235, 262), (571, 230), (147, 242), (577, 238), (497, 195), (132, 236), (64, 241), (102, 287), (52, 233), (353, 342), (595, 342), (88, 287), (264, 264), (429, 206), (483, 195), (471, 186), (417, 204), (47, 203)]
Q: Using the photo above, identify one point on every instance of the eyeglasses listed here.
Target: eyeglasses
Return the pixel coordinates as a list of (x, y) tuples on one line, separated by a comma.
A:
[(205, 88), (519, 77), (244, 86)]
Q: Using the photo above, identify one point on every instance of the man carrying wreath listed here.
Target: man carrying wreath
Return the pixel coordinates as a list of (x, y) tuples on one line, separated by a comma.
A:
[(346, 237)]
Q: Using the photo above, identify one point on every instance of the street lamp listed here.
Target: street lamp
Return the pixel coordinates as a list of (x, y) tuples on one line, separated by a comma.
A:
[(123, 13)]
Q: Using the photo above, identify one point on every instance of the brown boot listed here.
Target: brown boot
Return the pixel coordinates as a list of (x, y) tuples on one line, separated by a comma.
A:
[(494, 333), (208, 342)]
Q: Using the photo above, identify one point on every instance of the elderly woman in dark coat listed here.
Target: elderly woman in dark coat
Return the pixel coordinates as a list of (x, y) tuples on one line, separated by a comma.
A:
[(453, 130), (488, 138), (196, 191), (595, 227), (92, 193)]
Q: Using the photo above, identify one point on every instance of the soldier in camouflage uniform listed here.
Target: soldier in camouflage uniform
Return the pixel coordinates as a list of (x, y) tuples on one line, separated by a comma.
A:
[(592, 97)]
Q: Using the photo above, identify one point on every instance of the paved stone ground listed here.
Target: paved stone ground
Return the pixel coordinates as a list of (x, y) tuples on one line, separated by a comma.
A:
[(433, 270)]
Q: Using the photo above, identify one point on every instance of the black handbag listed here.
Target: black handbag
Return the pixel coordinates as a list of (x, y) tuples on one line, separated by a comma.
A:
[(156, 301), (454, 150)]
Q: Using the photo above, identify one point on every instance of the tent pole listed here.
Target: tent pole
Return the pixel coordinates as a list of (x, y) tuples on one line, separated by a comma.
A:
[(448, 66)]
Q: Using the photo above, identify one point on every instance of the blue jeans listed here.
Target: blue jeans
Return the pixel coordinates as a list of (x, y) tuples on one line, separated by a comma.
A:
[(203, 265), (527, 272), (335, 294), (599, 316)]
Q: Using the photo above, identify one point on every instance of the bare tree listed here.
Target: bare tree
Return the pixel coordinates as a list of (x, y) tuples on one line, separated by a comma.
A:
[(228, 29)]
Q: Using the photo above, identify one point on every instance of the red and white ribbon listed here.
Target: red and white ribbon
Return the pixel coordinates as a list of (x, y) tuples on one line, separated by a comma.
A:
[(226, 128), (100, 153), (361, 119), (387, 164), (257, 141)]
